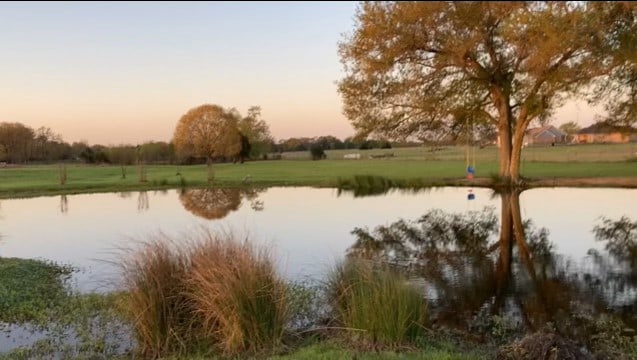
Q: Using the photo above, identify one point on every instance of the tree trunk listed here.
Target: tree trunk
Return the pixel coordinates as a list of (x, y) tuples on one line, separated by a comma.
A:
[(505, 135), (516, 154), (510, 142), (211, 172), (505, 150)]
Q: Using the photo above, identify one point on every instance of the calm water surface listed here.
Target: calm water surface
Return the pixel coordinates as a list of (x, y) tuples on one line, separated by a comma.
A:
[(309, 229)]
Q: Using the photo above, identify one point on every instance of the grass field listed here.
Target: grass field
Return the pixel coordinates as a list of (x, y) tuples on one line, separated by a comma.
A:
[(563, 153), (447, 168)]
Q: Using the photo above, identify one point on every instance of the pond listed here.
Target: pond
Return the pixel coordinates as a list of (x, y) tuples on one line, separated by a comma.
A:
[(308, 229)]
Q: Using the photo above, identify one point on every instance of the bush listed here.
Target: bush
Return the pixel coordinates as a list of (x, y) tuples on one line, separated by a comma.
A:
[(239, 296), (317, 152), (366, 145), (210, 293), (377, 304), (157, 303)]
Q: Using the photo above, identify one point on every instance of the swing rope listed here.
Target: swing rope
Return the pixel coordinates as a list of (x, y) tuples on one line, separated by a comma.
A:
[(470, 148), (470, 157)]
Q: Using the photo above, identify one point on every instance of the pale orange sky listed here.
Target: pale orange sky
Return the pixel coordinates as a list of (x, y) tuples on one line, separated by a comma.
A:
[(114, 73)]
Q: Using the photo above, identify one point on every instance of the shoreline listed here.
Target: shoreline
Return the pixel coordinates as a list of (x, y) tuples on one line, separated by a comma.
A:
[(482, 182)]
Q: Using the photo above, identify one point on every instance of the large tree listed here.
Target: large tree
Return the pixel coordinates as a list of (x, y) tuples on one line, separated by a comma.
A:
[(413, 66), (208, 131)]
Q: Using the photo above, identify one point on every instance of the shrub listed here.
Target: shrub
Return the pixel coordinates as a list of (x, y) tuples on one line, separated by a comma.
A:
[(376, 303), (317, 152), (210, 293), (157, 303), (240, 298)]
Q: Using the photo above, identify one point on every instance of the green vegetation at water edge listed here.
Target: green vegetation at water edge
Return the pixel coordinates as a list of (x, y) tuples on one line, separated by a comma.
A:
[(35, 297), (30, 288)]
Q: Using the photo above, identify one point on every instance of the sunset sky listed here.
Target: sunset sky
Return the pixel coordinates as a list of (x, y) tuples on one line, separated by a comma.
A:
[(114, 73)]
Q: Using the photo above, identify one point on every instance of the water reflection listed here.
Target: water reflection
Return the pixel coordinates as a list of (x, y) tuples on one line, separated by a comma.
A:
[(471, 268), (613, 276), (142, 201), (64, 204), (217, 203), (124, 194)]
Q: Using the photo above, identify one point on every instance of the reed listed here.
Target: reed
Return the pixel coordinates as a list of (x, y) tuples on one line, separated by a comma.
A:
[(376, 304)]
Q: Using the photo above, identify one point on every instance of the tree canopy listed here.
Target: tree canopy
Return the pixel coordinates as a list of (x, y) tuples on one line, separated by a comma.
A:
[(256, 131), (208, 131), (416, 67), (570, 128)]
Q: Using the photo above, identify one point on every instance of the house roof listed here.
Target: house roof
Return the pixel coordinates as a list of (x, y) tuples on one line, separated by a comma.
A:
[(606, 128), (548, 128)]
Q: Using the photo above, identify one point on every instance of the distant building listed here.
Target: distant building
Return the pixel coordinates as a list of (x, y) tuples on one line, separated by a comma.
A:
[(603, 132), (545, 135)]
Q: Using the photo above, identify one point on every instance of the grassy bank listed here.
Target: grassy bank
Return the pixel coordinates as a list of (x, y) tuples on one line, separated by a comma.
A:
[(44, 179)]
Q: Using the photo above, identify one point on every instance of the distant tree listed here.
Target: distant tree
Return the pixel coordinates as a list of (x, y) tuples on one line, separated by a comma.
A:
[(413, 65), (15, 142), (329, 142), (122, 154), (365, 145), (257, 133), (351, 142), (44, 143), (246, 147), (208, 131), (570, 129), (295, 144), (96, 154), (317, 152), (157, 152)]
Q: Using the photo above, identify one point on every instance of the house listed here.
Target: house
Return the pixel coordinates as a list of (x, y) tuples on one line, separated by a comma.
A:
[(603, 132), (545, 135)]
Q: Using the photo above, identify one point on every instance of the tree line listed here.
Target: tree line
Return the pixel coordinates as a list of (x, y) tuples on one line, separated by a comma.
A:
[(20, 144)]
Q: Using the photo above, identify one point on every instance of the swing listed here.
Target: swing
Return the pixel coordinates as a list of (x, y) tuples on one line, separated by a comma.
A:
[(469, 157), (470, 160)]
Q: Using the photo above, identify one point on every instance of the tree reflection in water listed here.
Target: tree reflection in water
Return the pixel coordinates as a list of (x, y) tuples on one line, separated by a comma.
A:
[(64, 204), (217, 203), (470, 269)]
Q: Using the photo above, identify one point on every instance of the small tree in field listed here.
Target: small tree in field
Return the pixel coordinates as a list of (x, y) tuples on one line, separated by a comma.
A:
[(317, 152), (208, 131)]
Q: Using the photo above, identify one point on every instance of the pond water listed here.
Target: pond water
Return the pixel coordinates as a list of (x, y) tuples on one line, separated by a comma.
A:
[(309, 229)]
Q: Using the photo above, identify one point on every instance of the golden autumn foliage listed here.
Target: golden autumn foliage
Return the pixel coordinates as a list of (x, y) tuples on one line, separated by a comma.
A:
[(208, 131), (418, 67)]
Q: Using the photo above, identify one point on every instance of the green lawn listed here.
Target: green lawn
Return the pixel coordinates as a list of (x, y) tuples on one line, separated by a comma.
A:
[(446, 169), (562, 153)]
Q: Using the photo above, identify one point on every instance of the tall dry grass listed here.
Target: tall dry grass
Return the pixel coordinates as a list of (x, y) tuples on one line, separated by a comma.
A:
[(209, 294), (157, 301), (239, 296), (376, 304)]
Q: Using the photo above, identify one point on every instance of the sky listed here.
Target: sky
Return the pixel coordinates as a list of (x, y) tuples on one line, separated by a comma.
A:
[(113, 73)]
